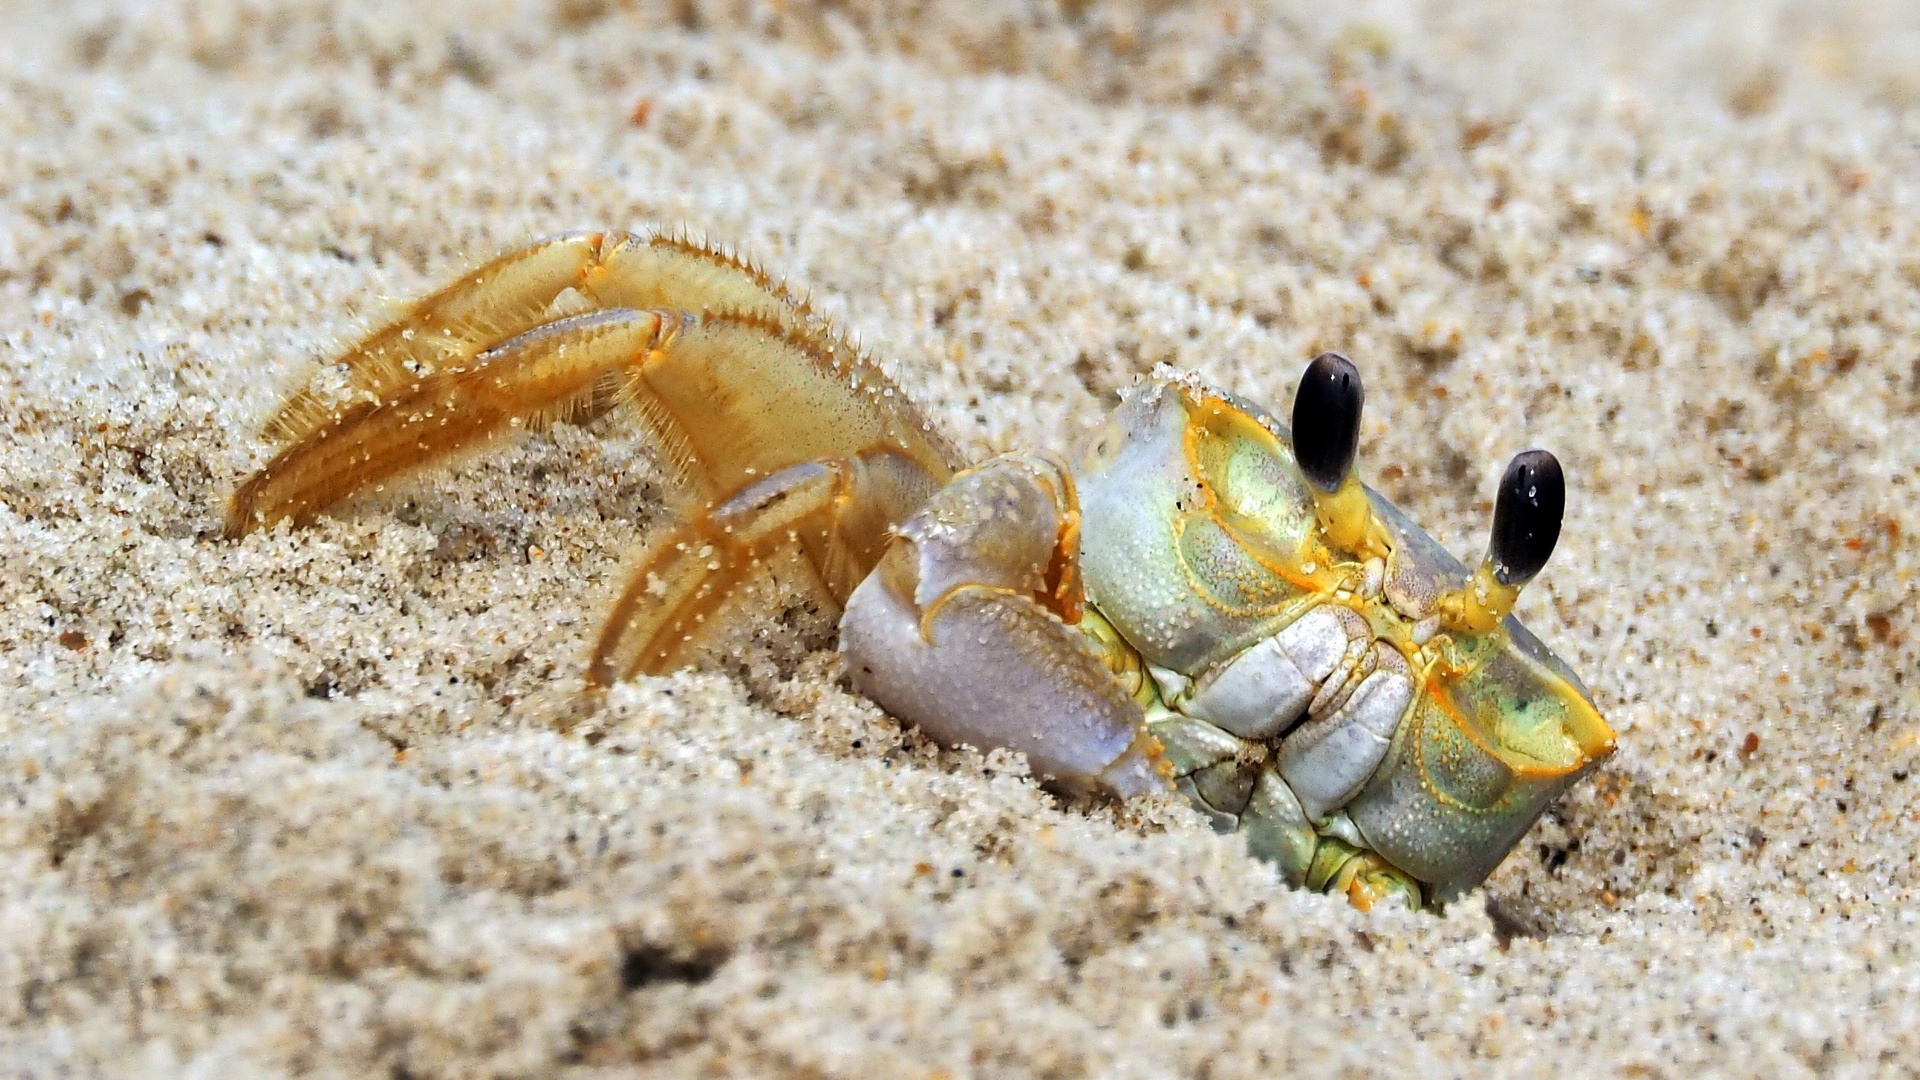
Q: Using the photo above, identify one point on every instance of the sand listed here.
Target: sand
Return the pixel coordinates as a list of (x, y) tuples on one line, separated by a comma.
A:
[(320, 802)]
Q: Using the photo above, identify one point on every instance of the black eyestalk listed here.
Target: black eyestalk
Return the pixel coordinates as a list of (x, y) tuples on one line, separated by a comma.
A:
[(1526, 517), (1326, 420), (1326, 438)]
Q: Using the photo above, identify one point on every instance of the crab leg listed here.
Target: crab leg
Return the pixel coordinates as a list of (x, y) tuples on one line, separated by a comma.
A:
[(829, 521), (560, 276), (732, 377), (965, 630), (543, 374)]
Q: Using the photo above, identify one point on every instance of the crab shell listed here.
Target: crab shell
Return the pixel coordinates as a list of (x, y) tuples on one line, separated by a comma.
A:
[(1199, 538), (1199, 546)]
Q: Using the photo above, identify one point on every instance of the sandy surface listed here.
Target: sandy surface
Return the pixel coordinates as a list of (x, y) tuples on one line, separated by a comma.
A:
[(317, 803)]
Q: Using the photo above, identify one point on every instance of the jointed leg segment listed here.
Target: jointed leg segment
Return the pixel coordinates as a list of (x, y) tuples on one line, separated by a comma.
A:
[(828, 521), (518, 291), (786, 444), (544, 374)]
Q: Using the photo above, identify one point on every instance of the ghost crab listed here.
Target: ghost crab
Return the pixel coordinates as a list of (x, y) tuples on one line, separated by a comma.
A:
[(1205, 602)]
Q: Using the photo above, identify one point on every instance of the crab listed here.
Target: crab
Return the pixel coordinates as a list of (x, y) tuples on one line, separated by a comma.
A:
[(1205, 601)]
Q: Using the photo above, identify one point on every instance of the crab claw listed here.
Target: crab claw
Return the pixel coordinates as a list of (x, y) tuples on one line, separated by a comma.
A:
[(965, 630)]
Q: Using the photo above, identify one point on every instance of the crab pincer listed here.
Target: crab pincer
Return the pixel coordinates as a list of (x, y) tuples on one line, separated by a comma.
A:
[(963, 627)]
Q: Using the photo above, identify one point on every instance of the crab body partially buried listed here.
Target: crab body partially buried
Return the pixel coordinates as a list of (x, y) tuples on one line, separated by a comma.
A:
[(1201, 602)]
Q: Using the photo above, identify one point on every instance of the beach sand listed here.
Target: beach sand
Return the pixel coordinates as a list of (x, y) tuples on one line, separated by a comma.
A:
[(323, 802)]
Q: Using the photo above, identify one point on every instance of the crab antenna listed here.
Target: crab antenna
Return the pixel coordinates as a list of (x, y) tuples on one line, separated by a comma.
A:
[(1526, 525), (1326, 438)]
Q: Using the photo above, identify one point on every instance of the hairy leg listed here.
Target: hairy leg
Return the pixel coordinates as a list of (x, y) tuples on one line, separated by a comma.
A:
[(826, 521), (520, 290), (539, 376), (728, 373)]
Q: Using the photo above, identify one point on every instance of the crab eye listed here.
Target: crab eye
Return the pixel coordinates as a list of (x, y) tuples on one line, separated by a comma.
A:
[(1326, 420), (1526, 518)]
